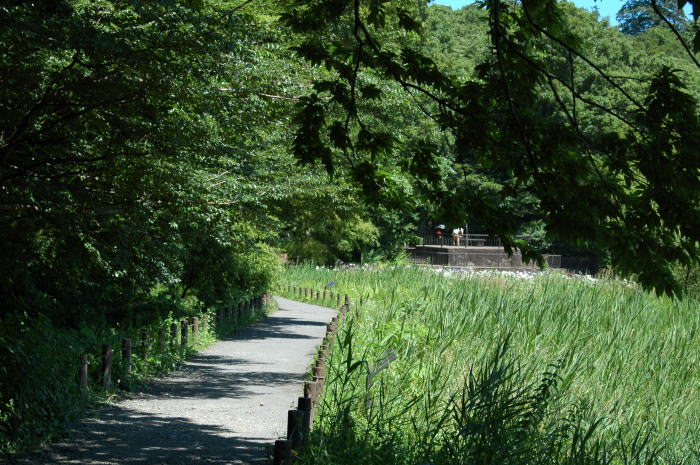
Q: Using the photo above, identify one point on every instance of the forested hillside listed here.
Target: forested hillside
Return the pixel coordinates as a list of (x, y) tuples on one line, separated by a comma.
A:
[(158, 158)]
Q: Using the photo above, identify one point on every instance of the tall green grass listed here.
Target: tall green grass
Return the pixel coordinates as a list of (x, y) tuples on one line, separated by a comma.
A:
[(492, 369)]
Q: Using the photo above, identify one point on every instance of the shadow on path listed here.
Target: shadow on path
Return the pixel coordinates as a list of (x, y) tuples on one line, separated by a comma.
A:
[(224, 406), (130, 437)]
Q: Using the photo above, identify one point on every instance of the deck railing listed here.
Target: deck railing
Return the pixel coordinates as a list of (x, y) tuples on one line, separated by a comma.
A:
[(462, 240)]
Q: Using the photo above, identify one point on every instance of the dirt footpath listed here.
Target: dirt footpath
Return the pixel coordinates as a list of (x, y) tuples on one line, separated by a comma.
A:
[(227, 405)]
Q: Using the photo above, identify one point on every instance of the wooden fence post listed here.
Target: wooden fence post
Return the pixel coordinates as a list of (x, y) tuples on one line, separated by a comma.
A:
[(173, 334), (320, 382), (324, 295), (162, 332), (347, 299), (305, 407), (145, 343), (295, 436), (83, 374), (126, 356), (320, 369), (323, 351), (310, 390), (106, 366), (282, 452), (195, 330), (184, 327), (337, 303)]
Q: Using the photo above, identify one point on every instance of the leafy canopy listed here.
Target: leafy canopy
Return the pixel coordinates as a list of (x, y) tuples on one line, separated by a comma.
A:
[(632, 188)]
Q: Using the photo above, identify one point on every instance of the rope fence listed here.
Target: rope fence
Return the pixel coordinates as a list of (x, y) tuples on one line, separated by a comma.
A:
[(182, 336)]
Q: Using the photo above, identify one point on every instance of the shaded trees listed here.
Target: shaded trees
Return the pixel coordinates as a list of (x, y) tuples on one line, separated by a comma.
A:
[(637, 16), (599, 189)]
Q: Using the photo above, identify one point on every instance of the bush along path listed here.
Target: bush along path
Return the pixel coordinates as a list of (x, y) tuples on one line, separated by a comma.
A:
[(226, 405)]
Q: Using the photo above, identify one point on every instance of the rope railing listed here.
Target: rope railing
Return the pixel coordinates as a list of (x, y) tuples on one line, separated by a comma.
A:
[(181, 335)]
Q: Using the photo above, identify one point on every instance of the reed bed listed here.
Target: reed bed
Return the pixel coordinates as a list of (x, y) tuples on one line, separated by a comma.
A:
[(432, 368)]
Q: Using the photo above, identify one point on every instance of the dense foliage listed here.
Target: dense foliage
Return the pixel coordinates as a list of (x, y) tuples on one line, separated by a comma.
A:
[(494, 368), (522, 117)]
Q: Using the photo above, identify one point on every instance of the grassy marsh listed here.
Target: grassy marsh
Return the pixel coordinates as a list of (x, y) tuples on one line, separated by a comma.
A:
[(496, 369)]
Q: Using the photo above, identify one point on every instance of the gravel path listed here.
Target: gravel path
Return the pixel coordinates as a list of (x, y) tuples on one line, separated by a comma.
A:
[(227, 405)]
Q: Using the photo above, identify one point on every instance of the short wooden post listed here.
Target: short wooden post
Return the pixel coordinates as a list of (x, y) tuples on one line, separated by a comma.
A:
[(183, 333), (305, 406), (195, 330), (320, 383), (306, 292), (282, 452), (173, 334), (337, 303), (310, 390), (126, 356), (295, 420), (162, 332), (324, 295), (83, 374), (145, 343), (347, 299), (320, 369), (106, 366)]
